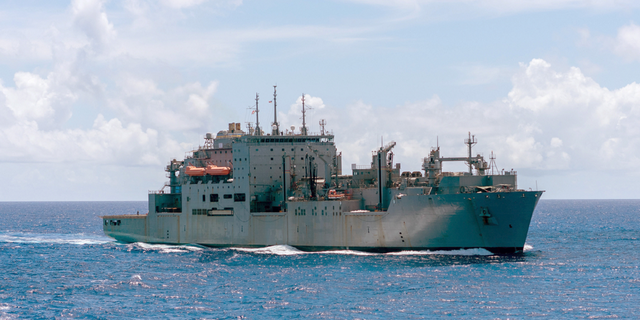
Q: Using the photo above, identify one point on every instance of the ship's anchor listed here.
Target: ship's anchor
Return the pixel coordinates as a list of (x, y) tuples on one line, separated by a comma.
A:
[(485, 215)]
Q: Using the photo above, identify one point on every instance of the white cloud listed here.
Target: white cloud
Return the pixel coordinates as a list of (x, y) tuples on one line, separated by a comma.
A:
[(493, 7), (178, 4), (90, 18), (36, 109), (627, 42), (185, 108), (550, 120), (556, 142), (45, 101)]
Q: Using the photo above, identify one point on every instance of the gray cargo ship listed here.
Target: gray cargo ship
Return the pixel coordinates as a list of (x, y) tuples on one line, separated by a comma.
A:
[(256, 189)]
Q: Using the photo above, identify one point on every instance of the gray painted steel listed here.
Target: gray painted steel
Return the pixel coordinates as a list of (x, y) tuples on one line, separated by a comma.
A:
[(289, 189)]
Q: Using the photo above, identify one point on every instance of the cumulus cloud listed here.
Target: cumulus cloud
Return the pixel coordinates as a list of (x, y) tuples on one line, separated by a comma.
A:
[(550, 120), (37, 99), (90, 18), (36, 108), (182, 108), (149, 116)]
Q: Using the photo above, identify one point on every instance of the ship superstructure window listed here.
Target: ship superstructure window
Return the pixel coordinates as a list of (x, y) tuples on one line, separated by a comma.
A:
[(213, 197), (239, 197), (228, 196), (204, 198), (199, 212)]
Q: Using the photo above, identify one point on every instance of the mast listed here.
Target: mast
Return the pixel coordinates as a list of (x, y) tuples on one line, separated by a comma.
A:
[(471, 141), (493, 163), (258, 131), (303, 131), (276, 127)]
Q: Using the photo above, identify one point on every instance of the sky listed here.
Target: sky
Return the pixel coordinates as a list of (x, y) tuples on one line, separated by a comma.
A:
[(96, 97)]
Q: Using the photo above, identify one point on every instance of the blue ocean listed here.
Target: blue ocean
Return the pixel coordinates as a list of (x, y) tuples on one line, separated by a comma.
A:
[(581, 260)]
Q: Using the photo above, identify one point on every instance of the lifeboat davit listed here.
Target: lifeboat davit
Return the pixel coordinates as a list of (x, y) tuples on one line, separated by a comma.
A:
[(217, 171), (194, 171)]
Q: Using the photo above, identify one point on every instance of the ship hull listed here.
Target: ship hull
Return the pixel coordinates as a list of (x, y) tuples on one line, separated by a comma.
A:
[(498, 222)]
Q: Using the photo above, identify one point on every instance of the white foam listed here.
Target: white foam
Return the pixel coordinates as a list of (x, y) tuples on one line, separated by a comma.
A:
[(461, 252), (286, 250), (349, 252), (166, 248), (56, 238), (527, 248), (281, 250)]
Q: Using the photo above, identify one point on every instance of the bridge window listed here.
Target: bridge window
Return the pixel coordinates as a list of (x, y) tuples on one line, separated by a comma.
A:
[(239, 197), (213, 197), (228, 196)]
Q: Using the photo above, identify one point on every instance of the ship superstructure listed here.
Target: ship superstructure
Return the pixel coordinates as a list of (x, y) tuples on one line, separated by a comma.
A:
[(251, 189)]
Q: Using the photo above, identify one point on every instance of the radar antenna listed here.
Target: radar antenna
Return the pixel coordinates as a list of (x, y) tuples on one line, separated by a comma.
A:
[(208, 141)]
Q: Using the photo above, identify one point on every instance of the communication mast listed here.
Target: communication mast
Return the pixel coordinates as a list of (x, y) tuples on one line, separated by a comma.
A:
[(304, 131), (492, 163), (275, 127), (258, 131), (471, 142), (322, 124)]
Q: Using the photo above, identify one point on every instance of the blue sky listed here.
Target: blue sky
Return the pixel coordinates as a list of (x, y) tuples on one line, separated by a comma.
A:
[(97, 96)]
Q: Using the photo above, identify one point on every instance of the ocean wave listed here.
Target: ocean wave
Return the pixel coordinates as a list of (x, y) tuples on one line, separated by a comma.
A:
[(54, 238), (164, 248)]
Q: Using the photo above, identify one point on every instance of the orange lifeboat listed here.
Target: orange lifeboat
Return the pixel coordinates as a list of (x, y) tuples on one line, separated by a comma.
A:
[(194, 171), (333, 195), (217, 171)]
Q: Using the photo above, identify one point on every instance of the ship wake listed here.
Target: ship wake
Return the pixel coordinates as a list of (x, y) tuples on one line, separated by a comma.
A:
[(53, 238)]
